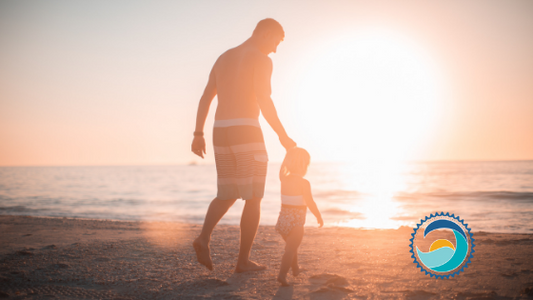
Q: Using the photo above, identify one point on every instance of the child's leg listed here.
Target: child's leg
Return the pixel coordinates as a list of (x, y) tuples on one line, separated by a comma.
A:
[(293, 242), (294, 266)]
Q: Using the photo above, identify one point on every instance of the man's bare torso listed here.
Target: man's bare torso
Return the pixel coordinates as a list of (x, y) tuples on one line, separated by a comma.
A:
[(234, 77)]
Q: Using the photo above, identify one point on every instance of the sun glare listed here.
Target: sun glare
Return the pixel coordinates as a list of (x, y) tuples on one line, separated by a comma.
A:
[(377, 183), (370, 96)]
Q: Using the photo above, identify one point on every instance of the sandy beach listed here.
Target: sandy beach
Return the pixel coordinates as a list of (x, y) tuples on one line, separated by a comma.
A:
[(58, 258)]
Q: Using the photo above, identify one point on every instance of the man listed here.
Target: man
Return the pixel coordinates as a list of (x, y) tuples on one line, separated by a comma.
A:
[(241, 79)]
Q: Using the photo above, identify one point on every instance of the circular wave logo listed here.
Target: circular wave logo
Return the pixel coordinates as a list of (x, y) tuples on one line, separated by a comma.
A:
[(432, 249)]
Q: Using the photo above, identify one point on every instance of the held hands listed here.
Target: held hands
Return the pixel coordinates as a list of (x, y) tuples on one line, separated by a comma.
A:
[(198, 146), (287, 142)]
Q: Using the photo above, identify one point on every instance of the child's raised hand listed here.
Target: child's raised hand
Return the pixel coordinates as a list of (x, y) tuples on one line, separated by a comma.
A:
[(320, 222)]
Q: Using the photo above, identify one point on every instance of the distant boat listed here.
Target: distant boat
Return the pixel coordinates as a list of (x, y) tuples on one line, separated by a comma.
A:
[(193, 163)]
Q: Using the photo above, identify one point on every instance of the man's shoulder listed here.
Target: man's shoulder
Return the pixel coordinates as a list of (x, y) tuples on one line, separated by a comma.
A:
[(247, 57), (260, 56), (225, 55), (247, 53)]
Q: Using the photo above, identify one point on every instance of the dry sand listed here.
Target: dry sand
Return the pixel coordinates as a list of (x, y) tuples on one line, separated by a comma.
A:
[(54, 258)]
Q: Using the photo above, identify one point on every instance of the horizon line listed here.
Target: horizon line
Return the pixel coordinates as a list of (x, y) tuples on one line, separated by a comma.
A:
[(195, 163)]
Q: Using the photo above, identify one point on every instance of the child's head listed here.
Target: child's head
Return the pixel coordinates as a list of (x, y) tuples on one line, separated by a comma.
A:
[(296, 162)]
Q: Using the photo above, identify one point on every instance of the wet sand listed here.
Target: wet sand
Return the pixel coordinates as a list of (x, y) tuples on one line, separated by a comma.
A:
[(55, 258)]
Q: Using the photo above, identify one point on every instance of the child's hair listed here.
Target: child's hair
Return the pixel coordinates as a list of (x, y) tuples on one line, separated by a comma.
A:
[(296, 162)]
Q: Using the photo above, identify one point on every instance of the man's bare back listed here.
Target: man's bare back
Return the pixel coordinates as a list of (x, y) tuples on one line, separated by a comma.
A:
[(241, 79), (234, 76)]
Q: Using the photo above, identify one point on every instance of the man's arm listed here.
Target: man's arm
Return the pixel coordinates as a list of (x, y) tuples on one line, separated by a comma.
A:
[(198, 143), (262, 75)]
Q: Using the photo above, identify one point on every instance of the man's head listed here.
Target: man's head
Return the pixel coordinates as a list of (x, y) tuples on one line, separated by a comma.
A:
[(268, 33)]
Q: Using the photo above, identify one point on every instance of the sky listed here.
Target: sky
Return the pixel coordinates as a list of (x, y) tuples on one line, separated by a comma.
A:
[(118, 82)]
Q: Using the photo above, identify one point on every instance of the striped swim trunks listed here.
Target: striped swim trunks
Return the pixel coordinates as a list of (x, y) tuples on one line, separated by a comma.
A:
[(241, 159)]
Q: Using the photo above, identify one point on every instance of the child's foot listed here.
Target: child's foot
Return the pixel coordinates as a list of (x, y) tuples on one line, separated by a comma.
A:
[(295, 270), (249, 266), (283, 281)]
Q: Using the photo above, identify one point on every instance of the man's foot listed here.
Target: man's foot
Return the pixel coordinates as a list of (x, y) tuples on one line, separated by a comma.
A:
[(283, 281), (202, 253), (250, 266)]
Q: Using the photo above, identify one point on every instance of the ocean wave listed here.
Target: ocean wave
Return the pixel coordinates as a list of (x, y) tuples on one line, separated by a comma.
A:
[(19, 209), (479, 195), (342, 213), (337, 194)]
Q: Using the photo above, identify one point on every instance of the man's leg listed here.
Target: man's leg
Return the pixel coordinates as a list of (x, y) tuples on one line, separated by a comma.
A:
[(217, 209), (251, 215)]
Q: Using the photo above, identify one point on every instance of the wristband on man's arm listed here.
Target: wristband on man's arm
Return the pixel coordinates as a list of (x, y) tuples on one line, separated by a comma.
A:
[(198, 133)]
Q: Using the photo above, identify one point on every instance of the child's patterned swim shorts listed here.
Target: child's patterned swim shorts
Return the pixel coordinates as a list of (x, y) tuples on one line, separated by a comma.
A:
[(290, 217)]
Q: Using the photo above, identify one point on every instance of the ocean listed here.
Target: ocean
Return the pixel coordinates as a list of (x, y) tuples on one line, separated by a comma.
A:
[(491, 196)]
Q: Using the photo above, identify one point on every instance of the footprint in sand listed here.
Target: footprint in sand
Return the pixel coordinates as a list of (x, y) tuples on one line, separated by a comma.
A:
[(211, 283), (326, 278), (330, 284)]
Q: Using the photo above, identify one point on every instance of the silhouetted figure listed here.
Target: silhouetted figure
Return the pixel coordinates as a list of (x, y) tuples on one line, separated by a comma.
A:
[(296, 197), (241, 79)]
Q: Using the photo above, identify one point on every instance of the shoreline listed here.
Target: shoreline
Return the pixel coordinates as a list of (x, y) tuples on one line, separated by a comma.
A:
[(72, 258), (403, 227)]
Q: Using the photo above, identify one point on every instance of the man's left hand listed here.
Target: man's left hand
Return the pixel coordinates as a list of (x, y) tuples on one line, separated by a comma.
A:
[(198, 146), (287, 143)]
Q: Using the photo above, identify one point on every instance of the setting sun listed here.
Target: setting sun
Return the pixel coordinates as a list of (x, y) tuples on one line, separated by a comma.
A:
[(376, 93)]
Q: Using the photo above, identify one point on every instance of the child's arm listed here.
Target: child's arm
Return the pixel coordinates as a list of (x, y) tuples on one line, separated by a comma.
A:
[(308, 198)]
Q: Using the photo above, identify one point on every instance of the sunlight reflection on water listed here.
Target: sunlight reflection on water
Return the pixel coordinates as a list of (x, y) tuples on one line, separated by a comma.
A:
[(492, 196), (378, 183)]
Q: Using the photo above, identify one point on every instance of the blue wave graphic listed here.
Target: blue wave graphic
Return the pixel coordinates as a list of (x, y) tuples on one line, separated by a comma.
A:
[(435, 258), (445, 259), (440, 224), (458, 257)]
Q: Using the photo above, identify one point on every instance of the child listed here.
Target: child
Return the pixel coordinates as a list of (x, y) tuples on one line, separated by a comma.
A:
[(295, 199)]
